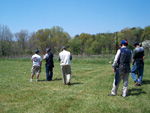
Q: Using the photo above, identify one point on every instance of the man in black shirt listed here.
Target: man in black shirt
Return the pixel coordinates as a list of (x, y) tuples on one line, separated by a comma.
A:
[(49, 64)]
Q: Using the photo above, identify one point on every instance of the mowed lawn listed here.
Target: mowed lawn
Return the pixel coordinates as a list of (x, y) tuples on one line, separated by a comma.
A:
[(91, 82)]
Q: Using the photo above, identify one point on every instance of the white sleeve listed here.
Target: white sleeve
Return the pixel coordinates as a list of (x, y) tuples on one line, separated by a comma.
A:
[(116, 59), (45, 56)]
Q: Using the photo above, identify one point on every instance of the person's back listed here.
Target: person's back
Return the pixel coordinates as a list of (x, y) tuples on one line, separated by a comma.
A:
[(125, 60), (37, 62), (138, 53), (64, 57), (65, 63), (49, 60), (138, 64), (49, 64), (36, 59)]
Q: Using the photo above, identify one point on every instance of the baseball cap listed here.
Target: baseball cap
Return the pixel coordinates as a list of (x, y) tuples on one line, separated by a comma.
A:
[(136, 43), (124, 42), (36, 51), (48, 49)]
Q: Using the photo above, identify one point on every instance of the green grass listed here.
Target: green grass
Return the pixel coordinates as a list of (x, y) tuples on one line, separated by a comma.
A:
[(91, 82)]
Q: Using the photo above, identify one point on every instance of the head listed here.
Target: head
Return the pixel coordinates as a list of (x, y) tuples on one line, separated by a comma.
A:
[(36, 51), (124, 42), (48, 50), (136, 43), (63, 48)]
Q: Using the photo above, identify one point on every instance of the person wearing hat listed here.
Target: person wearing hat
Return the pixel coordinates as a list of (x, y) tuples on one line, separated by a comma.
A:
[(123, 58), (37, 63), (138, 64), (116, 69), (49, 64), (65, 63)]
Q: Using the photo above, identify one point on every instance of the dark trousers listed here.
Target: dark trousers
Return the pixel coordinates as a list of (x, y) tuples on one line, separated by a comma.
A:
[(116, 76), (49, 73)]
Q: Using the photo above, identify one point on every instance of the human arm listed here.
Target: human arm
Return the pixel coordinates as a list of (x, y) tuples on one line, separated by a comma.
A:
[(59, 58), (116, 59), (45, 56), (40, 63), (70, 57)]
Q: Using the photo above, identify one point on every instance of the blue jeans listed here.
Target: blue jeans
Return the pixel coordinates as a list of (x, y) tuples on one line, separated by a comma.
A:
[(137, 69), (116, 76), (49, 73)]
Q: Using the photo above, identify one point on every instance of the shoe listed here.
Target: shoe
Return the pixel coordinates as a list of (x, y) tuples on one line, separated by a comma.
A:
[(124, 96), (137, 84), (111, 95), (31, 80), (37, 80), (69, 84)]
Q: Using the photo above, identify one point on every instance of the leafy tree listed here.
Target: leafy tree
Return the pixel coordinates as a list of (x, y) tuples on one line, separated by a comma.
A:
[(83, 38), (22, 38), (5, 40), (128, 34), (75, 45), (146, 33), (138, 33)]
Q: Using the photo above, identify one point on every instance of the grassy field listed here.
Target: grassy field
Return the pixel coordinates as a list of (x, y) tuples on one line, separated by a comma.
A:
[(91, 82)]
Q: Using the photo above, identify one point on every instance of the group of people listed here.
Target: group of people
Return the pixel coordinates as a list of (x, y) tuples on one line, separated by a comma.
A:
[(121, 66), (65, 62), (122, 69)]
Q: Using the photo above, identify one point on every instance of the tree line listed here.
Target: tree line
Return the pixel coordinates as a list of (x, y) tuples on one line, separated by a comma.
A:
[(24, 43)]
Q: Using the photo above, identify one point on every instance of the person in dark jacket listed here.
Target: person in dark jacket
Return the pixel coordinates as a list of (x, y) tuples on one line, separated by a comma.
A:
[(124, 57), (49, 64), (138, 64)]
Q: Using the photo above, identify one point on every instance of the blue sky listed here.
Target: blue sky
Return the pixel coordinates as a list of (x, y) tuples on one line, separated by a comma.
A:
[(74, 16)]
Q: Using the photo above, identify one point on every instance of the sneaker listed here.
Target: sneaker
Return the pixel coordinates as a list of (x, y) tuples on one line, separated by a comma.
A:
[(124, 96), (37, 80), (31, 80), (69, 84), (136, 83), (139, 84), (111, 95)]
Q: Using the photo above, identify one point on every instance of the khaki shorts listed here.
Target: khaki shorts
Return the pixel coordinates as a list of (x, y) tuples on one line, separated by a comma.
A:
[(35, 69)]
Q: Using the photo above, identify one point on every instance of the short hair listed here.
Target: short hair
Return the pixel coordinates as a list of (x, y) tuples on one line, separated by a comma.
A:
[(63, 47), (36, 51), (136, 43)]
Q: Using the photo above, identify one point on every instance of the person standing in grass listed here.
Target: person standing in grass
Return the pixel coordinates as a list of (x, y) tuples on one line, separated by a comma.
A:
[(37, 63), (124, 57), (138, 64), (49, 64), (65, 63)]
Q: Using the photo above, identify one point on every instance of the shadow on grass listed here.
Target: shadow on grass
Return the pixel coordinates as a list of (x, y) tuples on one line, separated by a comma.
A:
[(76, 83), (135, 91), (144, 82), (44, 80)]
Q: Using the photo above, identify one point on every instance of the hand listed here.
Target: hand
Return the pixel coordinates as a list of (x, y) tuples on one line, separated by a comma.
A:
[(114, 71)]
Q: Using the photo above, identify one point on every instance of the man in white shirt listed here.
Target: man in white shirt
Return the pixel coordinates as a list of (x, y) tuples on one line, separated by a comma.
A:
[(37, 63), (65, 63)]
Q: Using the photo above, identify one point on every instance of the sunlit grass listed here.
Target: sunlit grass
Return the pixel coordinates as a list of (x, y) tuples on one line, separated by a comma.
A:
[(91, 82)]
